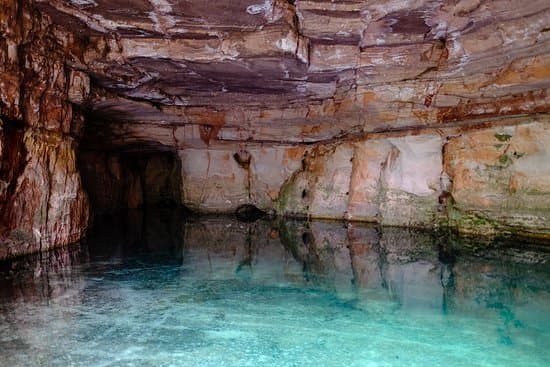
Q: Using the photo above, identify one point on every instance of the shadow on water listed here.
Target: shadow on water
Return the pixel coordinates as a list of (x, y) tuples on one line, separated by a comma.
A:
[(355, 269)]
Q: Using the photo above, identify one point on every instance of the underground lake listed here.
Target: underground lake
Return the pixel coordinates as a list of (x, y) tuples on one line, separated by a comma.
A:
[(159, 288), (274, 183)]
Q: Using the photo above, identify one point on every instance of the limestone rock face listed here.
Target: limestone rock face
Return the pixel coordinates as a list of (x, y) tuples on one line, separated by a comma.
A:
[(486, 180), (48, 205), (218, 180), (386, 111), (42, 201), (501, 174)]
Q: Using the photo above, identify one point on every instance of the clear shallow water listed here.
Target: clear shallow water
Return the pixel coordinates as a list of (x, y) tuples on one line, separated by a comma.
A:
[(152, 290)]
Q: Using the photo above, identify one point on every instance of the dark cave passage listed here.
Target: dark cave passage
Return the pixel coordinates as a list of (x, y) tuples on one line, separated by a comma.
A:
[(130, 179)]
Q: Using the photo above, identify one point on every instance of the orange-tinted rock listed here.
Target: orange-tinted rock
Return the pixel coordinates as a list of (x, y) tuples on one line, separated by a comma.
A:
[(501, 174), (391, 180), (46, 205), (42, 201), (380, 111)]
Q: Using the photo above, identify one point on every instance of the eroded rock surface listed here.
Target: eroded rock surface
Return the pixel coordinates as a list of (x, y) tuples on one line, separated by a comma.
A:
[(416, 112), (42, 201)]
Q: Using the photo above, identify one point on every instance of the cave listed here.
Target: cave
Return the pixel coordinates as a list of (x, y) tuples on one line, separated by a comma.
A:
[(130, 179), (340, 141), (434, 116)]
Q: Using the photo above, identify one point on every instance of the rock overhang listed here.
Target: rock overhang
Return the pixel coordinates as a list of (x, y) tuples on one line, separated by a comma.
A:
[(298, 69), (412, 113)]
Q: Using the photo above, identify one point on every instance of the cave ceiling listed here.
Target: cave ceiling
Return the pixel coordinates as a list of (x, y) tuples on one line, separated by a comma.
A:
[(306, 70)]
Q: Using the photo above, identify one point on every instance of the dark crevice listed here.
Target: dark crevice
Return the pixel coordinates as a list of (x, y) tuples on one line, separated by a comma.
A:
[(307, 238), (243, 158), (14, 152), (249, 213), (119, 175), (12, 163)]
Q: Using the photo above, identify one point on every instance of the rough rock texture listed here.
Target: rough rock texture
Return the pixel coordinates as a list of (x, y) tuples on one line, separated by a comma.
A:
[(42, 202), (311, 70), (393, 180), (332, 109), (378, 110), (500, 178), (485, 181)]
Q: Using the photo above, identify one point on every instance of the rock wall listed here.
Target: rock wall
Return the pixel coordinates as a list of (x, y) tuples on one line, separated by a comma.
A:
[(42, 203), (221, 179), (483, 176), (487, 179), (380, 111), (500, 179), (410, 113)]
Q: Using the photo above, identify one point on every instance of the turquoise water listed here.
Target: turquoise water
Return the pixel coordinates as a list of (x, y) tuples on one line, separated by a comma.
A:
[(153, 290)]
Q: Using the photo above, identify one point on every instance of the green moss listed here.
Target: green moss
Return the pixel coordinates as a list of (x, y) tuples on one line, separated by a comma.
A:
[(503, 137), (479, 221), (443, 223), (472, 223), (282, 200), (505, 160)]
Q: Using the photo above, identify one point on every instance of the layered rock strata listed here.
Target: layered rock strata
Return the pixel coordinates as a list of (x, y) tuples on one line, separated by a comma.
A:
[(402, 113), (416, 112)]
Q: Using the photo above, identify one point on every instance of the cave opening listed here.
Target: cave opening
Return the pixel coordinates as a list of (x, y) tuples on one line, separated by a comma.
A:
[(130, 177)]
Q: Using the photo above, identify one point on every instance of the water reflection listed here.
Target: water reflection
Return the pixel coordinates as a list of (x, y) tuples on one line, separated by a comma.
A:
[(350, 276), (412, 268)]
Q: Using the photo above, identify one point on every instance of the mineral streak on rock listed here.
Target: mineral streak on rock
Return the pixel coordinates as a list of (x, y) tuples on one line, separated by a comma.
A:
[(42, 201), (382, 111)]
